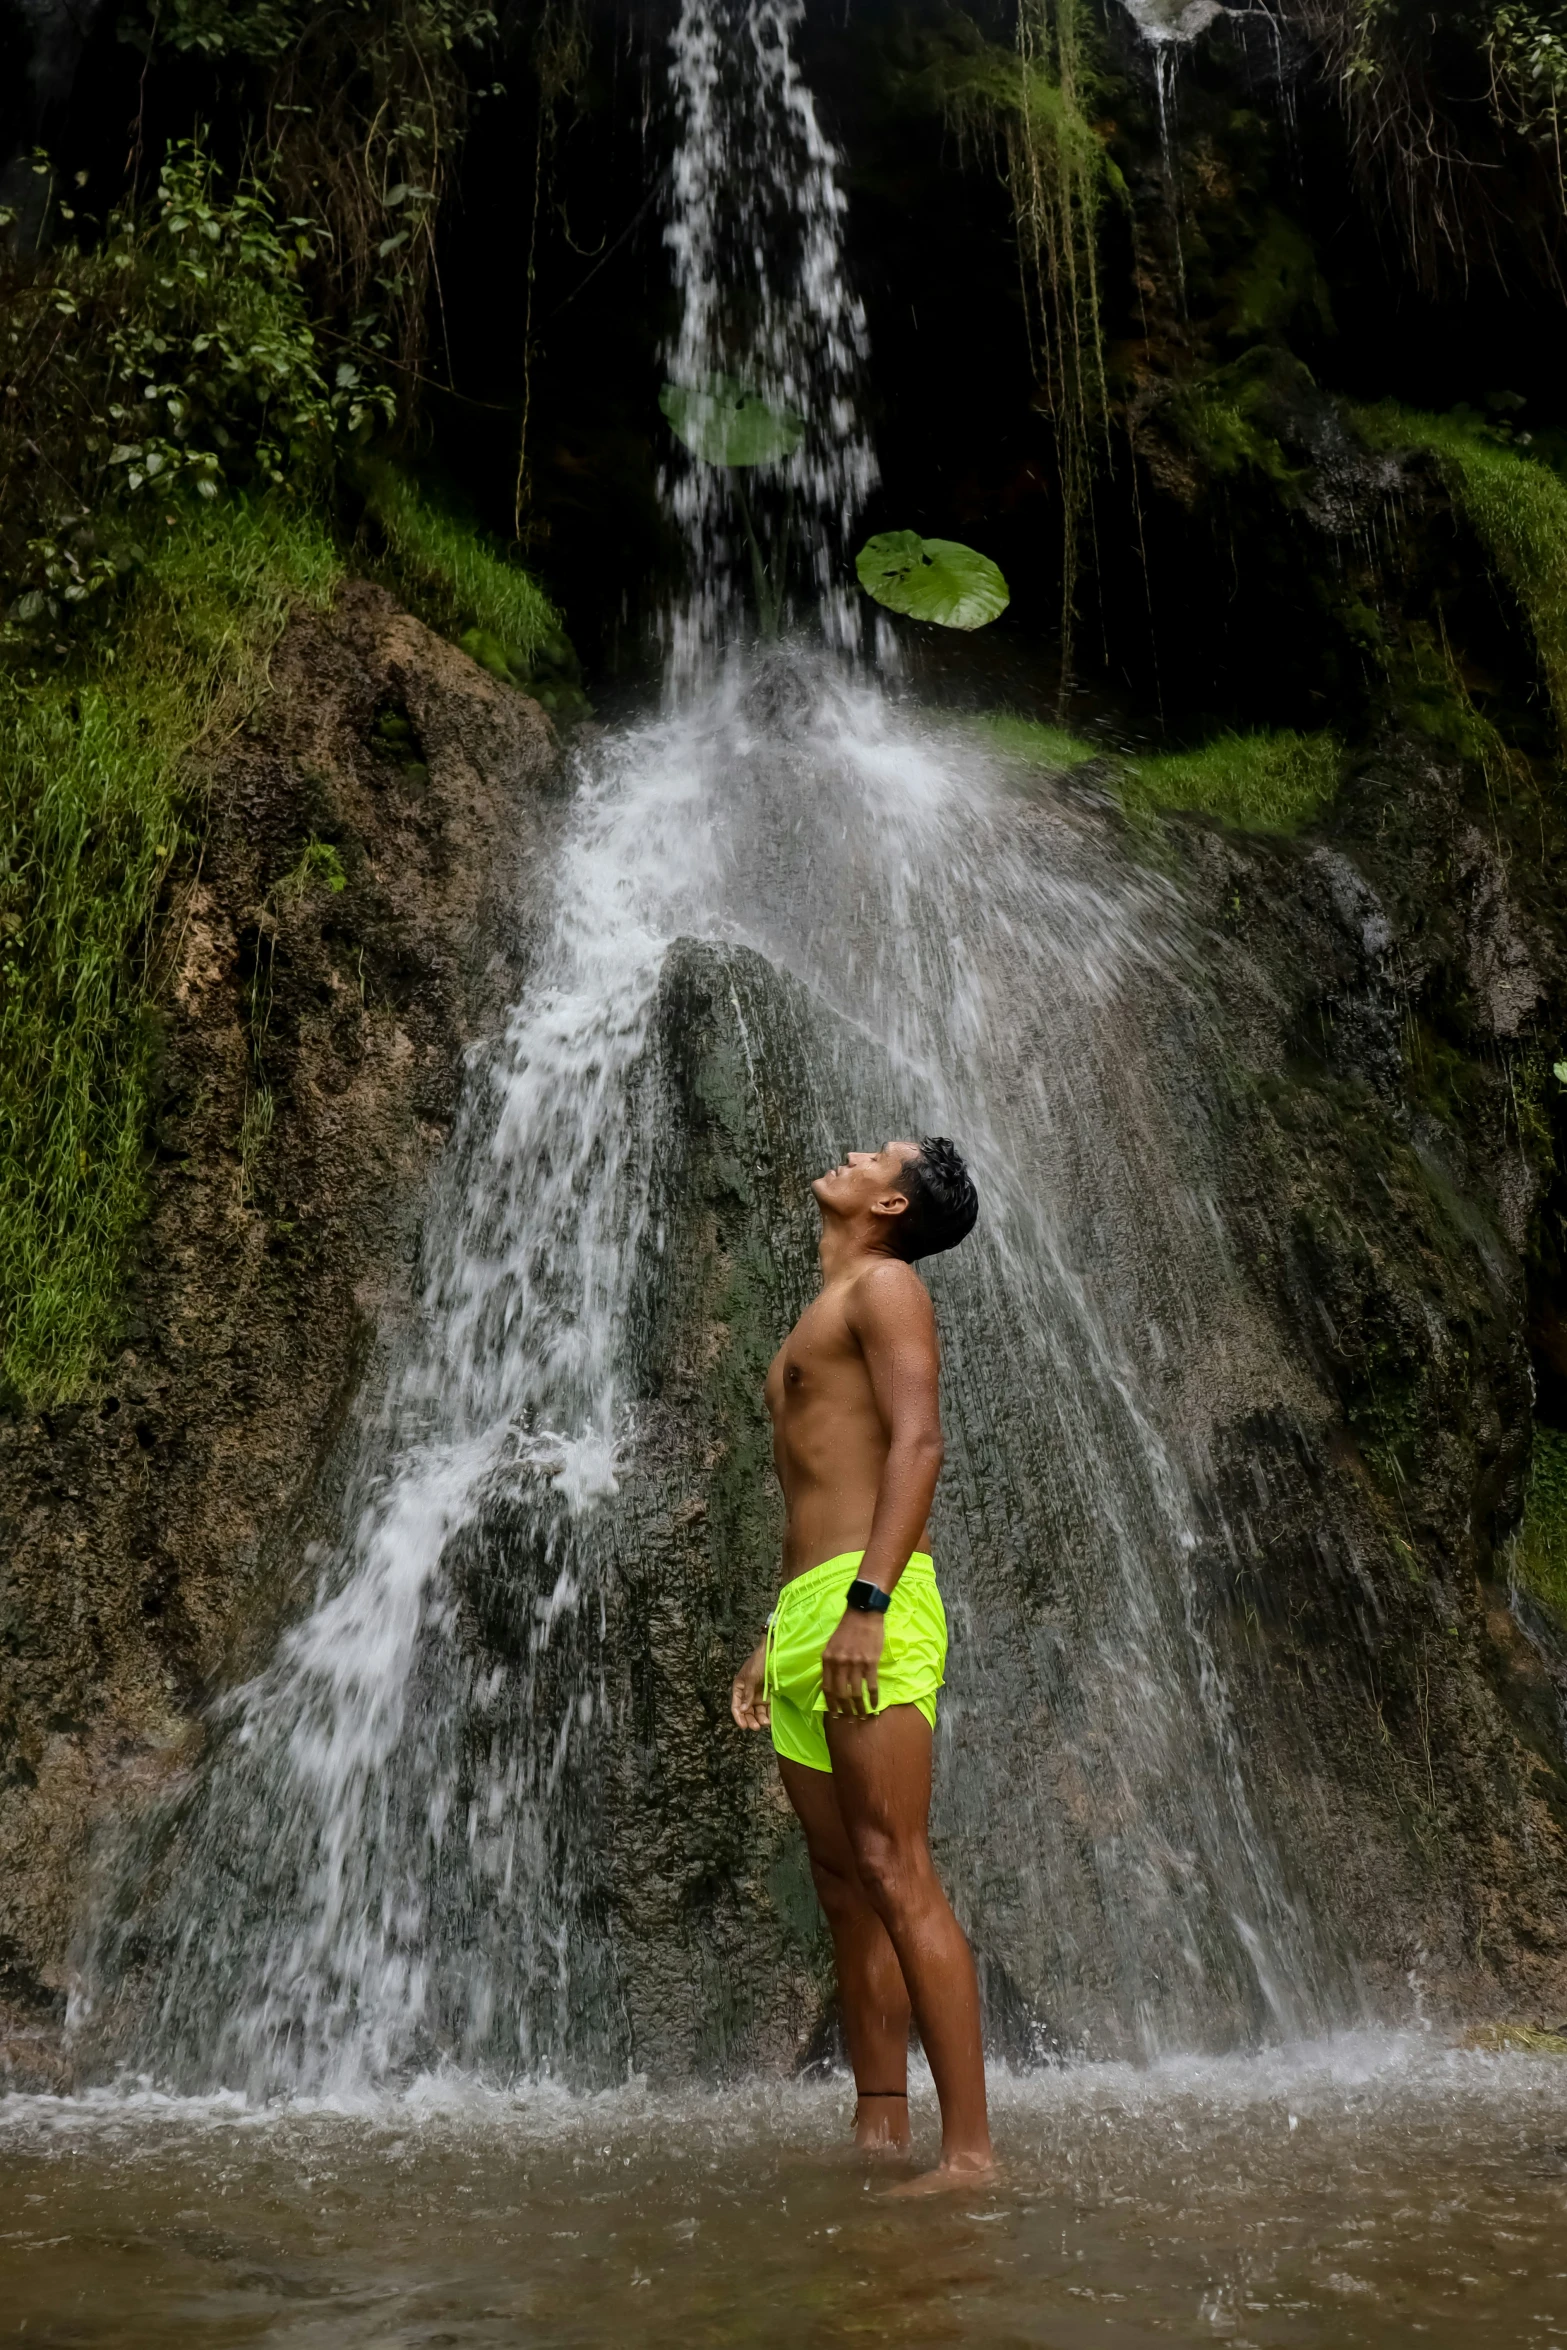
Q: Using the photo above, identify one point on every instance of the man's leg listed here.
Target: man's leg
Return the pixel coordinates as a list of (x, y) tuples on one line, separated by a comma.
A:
[(870, 1983), (881, 1780)]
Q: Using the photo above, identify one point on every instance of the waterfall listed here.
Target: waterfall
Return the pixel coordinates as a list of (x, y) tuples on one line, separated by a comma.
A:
[(407, 1844), (755, 236), (1164, 21)]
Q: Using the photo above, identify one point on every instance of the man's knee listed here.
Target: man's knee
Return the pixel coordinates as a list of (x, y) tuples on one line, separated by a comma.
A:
[(837, 1888), (893, 1870)]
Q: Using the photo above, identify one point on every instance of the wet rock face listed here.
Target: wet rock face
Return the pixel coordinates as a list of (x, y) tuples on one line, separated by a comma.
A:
[(1355, 1467), (697, 1945), (352, 920), (1355, 1417), (713, 1873), (1382, 1187)]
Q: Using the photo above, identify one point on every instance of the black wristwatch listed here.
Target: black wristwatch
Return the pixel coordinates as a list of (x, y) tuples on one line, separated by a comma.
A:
[(868, 1599)]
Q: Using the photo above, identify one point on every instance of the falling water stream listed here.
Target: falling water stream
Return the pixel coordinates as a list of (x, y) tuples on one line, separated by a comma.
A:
[(397, 2077)]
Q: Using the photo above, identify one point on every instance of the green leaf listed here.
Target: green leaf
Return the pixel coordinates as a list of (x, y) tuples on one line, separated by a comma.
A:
[(726, 422), (932, 579)]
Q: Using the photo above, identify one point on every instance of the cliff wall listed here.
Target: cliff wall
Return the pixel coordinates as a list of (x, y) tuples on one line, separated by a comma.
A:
[(350, 922)]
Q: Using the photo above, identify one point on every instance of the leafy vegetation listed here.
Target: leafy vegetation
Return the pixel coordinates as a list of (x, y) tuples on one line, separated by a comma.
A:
[(1435, 98), (1517, 505), (1539, 1553), (169, 450), (1527, 47), (318, 866), (360, 109), (932, 579), (726, 422), (100, 797), (177, 354)]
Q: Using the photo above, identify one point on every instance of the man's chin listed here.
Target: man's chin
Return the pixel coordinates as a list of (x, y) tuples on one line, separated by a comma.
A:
[(819, 1188)]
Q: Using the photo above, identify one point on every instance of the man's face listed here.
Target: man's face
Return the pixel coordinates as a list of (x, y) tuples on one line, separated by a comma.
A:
[(863, 1177)]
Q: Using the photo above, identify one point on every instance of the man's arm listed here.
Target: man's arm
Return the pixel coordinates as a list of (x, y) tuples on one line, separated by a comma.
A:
[(891, 1315)]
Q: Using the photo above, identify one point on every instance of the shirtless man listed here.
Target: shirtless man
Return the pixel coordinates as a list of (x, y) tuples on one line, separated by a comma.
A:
[(847, 1675)]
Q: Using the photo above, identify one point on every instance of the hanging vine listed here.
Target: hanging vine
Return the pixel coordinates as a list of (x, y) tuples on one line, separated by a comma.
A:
[(1437, 101), (361, 108), (1059, 173), (1032, 107)]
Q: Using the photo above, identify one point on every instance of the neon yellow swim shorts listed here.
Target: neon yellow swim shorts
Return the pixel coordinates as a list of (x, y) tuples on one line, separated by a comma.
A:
[(809, 1611)]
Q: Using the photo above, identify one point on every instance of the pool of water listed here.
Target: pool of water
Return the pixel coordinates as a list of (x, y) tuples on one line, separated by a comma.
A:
[(1365, 2191)]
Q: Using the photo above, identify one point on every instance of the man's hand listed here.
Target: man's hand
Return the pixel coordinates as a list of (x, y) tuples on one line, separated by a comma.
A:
[(746, 1701), (849, 1665)]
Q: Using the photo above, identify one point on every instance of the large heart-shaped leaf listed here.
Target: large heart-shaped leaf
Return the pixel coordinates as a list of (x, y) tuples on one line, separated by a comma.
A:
[(726, 422), (932, 579)]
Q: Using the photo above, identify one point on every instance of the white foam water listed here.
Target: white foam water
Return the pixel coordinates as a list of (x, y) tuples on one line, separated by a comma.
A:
[(1367, 2074)]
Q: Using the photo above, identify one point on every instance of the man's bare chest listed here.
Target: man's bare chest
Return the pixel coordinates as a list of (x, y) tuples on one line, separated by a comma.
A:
[(820, 1358)]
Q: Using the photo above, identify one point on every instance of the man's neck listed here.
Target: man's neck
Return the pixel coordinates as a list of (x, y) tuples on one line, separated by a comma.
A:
[(845, 1249)]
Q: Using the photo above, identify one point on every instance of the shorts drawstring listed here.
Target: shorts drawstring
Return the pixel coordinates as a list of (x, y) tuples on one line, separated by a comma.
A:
[(767, 1659)]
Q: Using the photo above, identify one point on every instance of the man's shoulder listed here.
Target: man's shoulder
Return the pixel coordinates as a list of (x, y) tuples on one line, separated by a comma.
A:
[(888, 1285)]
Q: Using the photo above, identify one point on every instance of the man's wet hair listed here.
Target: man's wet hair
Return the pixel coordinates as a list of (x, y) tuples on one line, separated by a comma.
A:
[(943, 1203)]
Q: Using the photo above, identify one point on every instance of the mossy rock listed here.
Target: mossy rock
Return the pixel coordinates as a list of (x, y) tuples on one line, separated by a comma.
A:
[(1268, 782), (1506, 2039), (1539, 1553)]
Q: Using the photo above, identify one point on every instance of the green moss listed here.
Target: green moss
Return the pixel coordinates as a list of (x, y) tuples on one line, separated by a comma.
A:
[(1539, 1553), (498, 611), (1517, 507), (1041, 746), (1257, 782), (490, 652), (97, 788), (319, 866), (1225, 418), (1278, 279)]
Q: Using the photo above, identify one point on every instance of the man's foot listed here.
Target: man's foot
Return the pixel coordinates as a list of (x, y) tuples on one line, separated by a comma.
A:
[(881, 2126), (959, 2176)]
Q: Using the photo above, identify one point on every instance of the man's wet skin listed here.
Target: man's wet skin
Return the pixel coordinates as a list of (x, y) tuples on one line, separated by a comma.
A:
[(853, 1397)]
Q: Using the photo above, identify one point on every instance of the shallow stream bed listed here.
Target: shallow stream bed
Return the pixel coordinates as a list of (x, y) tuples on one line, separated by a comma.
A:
[(1368, 2191)]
